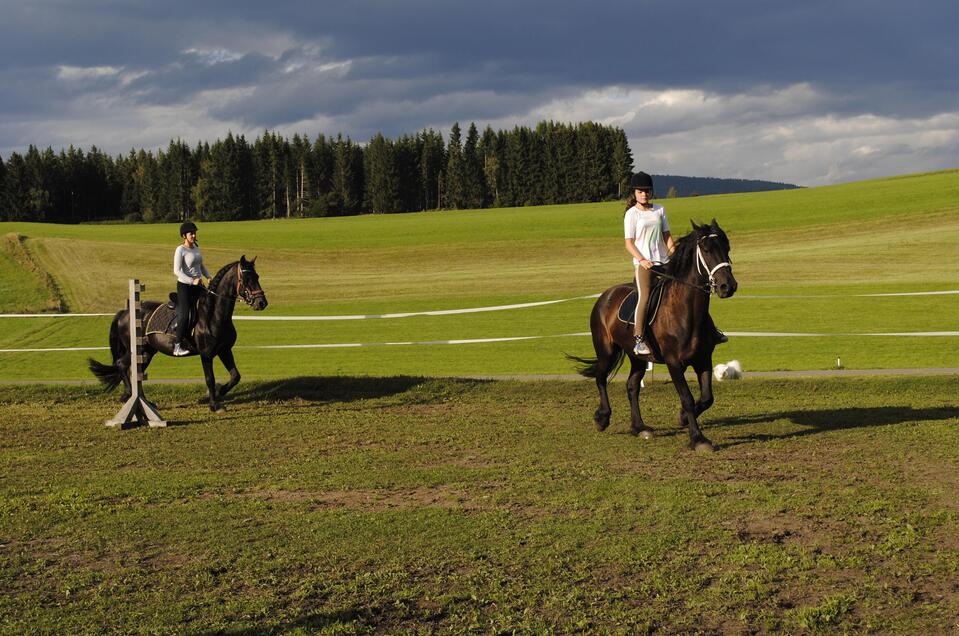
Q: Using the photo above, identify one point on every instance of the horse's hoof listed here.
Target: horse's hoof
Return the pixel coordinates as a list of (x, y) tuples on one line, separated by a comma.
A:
[(645, 434), (218, 408), (703, 447), (601, 426)]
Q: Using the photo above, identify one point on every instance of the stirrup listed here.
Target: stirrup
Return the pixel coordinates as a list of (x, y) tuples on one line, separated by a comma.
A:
[(721, 338), (640, 349)]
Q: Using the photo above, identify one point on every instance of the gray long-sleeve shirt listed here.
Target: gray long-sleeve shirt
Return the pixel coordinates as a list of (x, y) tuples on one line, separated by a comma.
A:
[(188, 264)]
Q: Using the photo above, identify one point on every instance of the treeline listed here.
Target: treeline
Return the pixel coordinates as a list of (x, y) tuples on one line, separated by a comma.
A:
[(272, 177), (669, 186)]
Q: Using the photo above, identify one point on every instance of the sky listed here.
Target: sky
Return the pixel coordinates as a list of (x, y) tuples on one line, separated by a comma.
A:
[(807, 92)]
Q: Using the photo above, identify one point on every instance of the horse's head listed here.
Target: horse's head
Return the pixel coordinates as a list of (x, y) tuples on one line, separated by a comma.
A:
[(712, 258), (248, 284)]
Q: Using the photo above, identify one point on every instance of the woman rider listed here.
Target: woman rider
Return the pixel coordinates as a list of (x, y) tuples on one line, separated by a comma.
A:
[(188, 268), (649, 242)]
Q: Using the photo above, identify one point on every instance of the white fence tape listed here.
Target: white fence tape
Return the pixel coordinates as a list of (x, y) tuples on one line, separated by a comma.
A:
[(473, 310), (340, 345)]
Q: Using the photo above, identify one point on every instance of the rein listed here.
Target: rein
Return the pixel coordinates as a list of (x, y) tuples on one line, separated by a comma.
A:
[(701, 265), (241, 292)]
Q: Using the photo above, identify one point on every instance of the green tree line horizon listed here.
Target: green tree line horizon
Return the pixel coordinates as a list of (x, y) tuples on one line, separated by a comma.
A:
[(275, 177)]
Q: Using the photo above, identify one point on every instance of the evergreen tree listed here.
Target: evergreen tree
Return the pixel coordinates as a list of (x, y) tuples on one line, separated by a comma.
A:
[(322, 165), (406, 154), (432, 157), (3, 190), (455, 195), (474, 181), (622, 162), (17, 206), (347, 176), (488, 151), (381, 189)]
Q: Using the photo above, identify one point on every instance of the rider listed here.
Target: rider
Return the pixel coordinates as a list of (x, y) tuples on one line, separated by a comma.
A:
[(649, 242), (188, 267)]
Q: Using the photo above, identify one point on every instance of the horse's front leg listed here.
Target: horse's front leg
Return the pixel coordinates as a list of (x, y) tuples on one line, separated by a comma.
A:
[(633, 384), (226, 357), (215, 406), (697, 441), (704, 372)]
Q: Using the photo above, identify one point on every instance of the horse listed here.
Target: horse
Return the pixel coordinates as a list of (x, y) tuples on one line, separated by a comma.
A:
[(213, 336), (681, 333)]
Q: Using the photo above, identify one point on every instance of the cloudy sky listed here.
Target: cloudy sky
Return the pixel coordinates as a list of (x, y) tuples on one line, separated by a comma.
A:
[(809, 92)]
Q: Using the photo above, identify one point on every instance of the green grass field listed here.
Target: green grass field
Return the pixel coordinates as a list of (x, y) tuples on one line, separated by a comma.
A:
[(425, 505), (885, 236), (378, 490)]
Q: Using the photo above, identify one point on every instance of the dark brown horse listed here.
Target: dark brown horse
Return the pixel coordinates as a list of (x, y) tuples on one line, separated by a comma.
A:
[(214, 335), (682, 333)]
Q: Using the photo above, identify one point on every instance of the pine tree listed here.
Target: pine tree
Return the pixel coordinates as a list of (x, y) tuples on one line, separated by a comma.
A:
[(3, 190), (488, 152), (381, 187), (322, 181), (17, 206), (347, 175), (455, 174), (473, 180), (431, 161), (622, 162)]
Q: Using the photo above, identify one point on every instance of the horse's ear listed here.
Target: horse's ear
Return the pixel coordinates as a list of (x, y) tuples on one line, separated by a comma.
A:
[(243, 259), (714, 224), (253, 261), (693, 223)]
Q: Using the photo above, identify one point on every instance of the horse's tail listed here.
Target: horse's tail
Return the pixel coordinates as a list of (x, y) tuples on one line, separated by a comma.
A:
[(589, 367), (110, 375)]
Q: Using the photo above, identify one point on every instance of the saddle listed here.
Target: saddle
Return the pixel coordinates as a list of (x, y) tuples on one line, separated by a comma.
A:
[(627, 310), (163, 320)]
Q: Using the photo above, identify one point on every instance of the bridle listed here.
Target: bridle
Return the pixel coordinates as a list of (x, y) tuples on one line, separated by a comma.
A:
[(248, 295), (702, 265)]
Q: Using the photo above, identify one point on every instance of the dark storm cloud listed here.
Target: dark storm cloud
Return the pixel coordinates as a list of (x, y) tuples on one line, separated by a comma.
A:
[(367, 66)]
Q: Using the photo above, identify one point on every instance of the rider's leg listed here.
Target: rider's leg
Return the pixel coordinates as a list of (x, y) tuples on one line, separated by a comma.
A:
[(642, 285), (184, 296)]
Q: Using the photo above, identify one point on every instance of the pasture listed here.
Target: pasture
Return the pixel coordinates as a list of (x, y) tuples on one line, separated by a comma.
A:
[(819, 248), (423, 505), (380, 489)]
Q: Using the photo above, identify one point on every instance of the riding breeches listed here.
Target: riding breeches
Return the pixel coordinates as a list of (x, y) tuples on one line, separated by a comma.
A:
[(186, 296), (643, 283)]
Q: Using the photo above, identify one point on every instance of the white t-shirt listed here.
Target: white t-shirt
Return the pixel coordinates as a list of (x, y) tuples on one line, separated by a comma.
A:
[(646, 228), (188, 264)]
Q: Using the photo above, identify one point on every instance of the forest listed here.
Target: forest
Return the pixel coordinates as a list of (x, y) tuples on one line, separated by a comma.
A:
[(274, 177)]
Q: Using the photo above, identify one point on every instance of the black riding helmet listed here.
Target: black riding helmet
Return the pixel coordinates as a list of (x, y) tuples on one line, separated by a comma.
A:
[(188, 226), (641, 181)]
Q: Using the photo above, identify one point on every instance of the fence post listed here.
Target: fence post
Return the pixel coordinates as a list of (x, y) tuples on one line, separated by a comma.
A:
[(137, 408)]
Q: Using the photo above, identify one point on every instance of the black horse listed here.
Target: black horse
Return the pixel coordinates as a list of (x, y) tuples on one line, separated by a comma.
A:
[(682, 333), (214, 335)]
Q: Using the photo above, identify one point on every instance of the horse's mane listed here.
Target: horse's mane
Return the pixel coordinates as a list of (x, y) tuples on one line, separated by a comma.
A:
[(220, 274), (684, 257)]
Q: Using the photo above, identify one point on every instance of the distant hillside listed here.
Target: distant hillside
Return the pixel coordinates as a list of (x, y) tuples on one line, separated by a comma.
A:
[(695, 186)]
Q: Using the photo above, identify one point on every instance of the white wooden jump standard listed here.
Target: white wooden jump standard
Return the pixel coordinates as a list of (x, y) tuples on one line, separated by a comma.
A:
[(137, 408)]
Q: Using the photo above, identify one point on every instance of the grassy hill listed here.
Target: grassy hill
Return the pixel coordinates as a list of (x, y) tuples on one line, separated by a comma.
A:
[(890, 235)]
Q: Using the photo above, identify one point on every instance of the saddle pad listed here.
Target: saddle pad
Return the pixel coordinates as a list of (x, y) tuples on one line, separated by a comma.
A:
[(627, 310), (162, 320)]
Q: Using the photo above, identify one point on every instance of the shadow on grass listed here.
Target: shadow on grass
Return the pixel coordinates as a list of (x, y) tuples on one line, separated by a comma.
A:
[(340, 389), (825, 420)]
